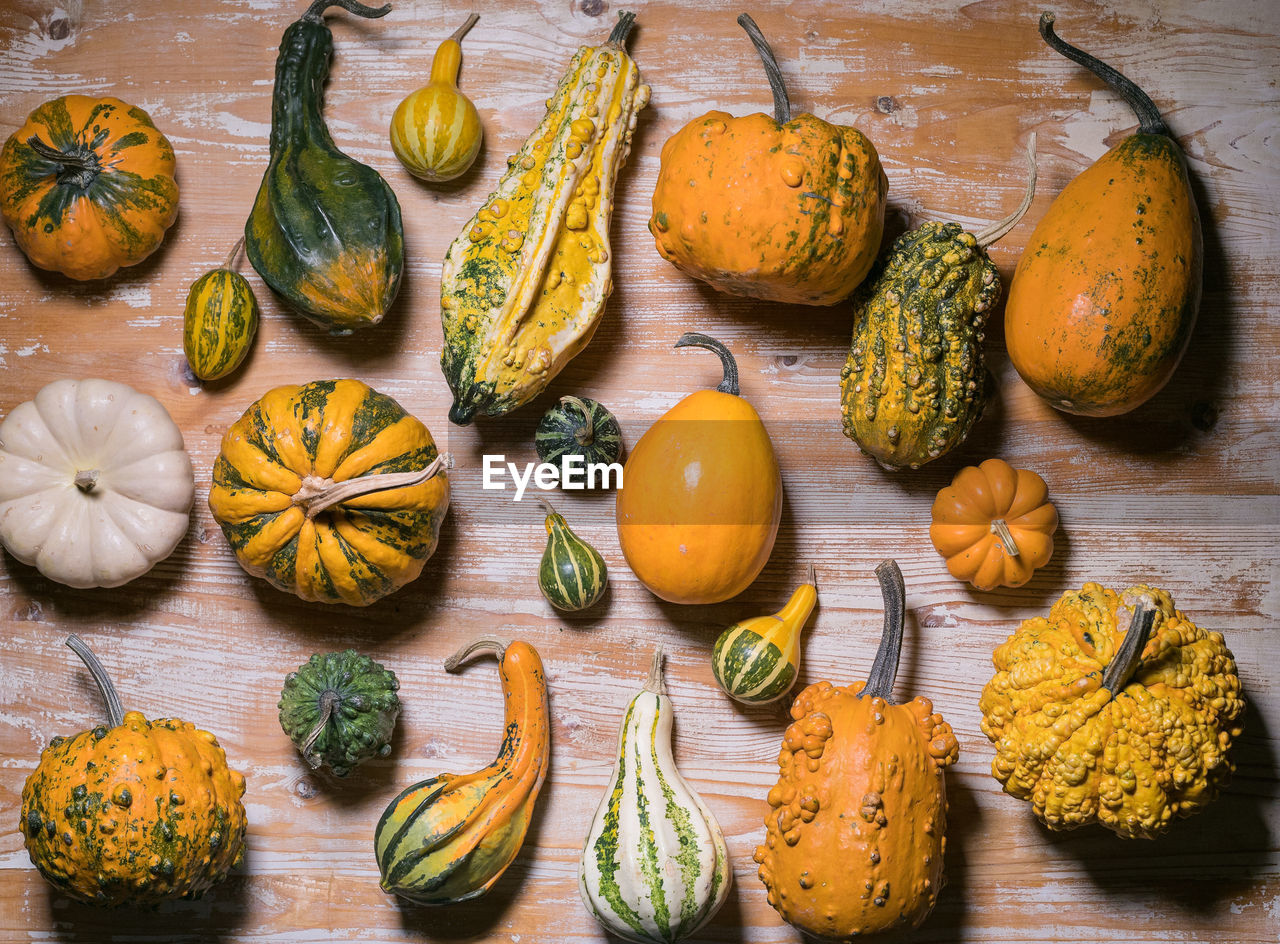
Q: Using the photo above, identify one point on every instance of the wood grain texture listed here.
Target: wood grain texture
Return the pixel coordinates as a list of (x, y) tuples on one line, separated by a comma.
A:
[(1183, 493)]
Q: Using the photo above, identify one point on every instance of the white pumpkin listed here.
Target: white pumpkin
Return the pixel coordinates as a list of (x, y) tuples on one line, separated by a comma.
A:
[(654, 867), (95, 485)]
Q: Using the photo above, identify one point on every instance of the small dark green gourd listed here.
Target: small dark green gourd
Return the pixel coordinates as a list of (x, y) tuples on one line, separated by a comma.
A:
[(578, 426), (340, 709), (915, 380), (325, 231), (573, 574)]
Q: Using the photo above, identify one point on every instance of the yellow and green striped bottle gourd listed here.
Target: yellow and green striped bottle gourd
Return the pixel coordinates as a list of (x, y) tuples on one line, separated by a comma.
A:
[(757, 660), (524, 284), (654, 867), (220, 320), (436, 131), (572, 574)]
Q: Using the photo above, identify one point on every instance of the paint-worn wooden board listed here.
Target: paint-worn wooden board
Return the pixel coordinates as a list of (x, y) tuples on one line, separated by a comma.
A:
[(1183, 492)]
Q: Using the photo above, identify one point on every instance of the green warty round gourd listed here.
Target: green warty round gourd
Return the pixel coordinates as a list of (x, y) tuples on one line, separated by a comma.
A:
[(340, 709), (578, 426)]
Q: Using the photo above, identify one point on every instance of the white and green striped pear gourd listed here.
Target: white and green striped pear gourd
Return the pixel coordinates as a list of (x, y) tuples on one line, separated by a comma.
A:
[(655, 867)]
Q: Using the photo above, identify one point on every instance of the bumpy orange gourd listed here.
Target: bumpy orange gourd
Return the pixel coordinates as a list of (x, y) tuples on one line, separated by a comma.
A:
[(701, 494), (785, 208), (1116, 709), (135, 811), (1105, 295), (994, 525), (87, 186), (855, 832)]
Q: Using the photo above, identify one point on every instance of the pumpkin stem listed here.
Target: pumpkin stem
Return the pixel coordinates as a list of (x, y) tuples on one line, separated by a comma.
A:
[(884, 670), (315, 12), (464, 28), (1000, 528), (990, 234), (317, 494), (479, 645), (730, 382), (1149, 120), (86, 479), (585, 434), (622, 29), (77, 168), (1127, 657), (811, 578), (231, 256), (329, 700), (115, 710), (781, 103), (654, 683)]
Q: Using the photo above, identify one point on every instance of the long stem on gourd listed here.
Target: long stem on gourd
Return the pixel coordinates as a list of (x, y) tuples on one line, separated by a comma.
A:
[(315, 12), (477, 646), (464, 28), (115, 710), (991, 233), (328, 701), (730, 382), (1149, 120), (1000, 528), (317, 494), (1127, 657), (781, 102), (622, 29), (231, 256), (884, 670), (654, 683), (585, 434)]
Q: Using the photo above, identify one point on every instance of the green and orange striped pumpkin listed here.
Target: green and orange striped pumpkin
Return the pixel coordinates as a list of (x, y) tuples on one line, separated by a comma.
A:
[(573, 574), (436, 131), (220, 321), (330, 491)]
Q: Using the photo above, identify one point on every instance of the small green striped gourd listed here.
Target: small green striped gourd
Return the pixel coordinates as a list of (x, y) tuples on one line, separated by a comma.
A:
[(573, 574), (436, 131), (578, 426), (757, 661), (220, 321), (654, 867)]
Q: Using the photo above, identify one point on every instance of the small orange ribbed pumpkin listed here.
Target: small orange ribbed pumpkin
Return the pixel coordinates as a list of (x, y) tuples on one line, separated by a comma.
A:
[(785, 208), (994, 525), (701, 494)]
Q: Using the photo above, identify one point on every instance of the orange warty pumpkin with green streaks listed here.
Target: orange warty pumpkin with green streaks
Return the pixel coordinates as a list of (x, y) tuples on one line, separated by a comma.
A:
[(330, 491), (1105, 295), (786, 208), (448, 839), (133, 812), (87, 186)]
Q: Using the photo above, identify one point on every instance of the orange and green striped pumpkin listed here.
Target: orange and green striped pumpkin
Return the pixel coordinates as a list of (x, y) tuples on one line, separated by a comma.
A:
[(87, 186), (330, 491), (572, 575), (436, 130), (220, 321)]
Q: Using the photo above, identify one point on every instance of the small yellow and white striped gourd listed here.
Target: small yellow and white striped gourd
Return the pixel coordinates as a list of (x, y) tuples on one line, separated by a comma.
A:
[(655, 867), (524, 285), (436, 131)]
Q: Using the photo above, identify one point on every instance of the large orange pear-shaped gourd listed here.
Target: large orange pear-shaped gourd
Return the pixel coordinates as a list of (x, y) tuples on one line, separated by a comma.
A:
[(856, 826), (1105, 296), (701, 494), (785, 208)]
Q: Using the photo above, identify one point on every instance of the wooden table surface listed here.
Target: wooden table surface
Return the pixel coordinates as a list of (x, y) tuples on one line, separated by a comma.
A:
[(1181, 493)]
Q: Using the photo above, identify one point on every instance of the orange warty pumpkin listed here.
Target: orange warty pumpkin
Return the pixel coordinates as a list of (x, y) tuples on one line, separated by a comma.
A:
[(994, 525), (701, 494), (785, 208), (87, 186), (1105, 296), (855, 832)]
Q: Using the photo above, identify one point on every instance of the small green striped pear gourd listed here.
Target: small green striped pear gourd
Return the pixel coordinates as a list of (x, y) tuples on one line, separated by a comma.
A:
[(220, 320), (655, 867), (572, 575), (757, 660)]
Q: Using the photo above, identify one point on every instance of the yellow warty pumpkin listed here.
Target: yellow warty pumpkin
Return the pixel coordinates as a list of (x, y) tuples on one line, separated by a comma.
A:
[(1116, 709)]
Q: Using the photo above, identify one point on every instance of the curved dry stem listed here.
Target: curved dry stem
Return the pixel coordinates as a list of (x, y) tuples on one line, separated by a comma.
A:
[(328, 701), (1000, 528), (989, 234), (655, 682), (317, 494), (115, 710), (464, 28), (884, 670), (622, 29), (1125, 661), (315, 12), (231, 256), (477, 646), (730, 382), (781, 101)]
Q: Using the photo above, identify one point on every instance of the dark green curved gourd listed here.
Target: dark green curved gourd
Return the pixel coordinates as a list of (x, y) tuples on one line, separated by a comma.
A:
[(340, 709), (578, 426), (325, 231)]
